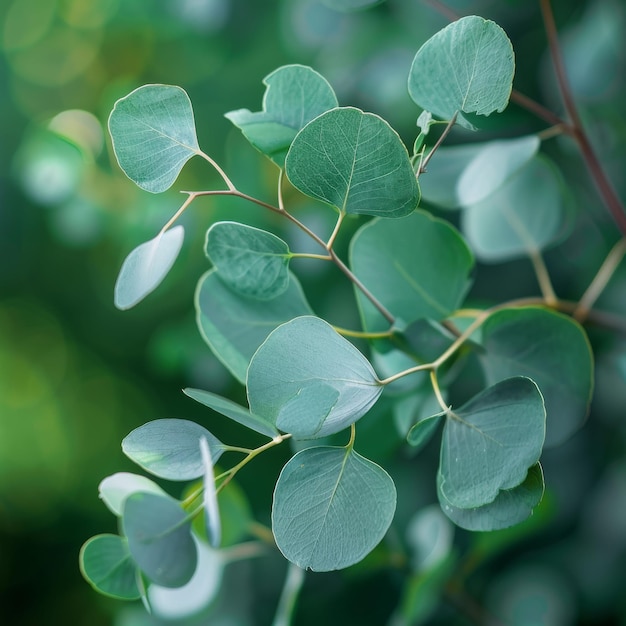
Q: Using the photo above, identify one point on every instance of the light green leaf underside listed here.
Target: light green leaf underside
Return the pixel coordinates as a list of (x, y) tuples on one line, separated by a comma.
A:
[(114, 489), (159, 538), (295, 95), (154, 135), (234, 411), (490, 442), (525, 215), (251, 261), (234, 326), (146, 266), (554, 351), (331, 508), (510, 507), (466, 67), (355, 162), (301, 362), (168, 448), (106, 564), (209, 497), (417, 267)]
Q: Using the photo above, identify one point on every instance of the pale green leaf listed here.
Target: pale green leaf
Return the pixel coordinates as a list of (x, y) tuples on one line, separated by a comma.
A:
[(234, 411), (525, 215), (159, 538), (234, 326), (554, 351), (154, 135), (114, 489), (146, 266), (490, 442), (467, 67), (331, 508), (106, 564), (301, 362), (168, 448), (430, 536), (209, 498), (417, 267), (355, 162), (295, 95), (251, 261), (510, 507)]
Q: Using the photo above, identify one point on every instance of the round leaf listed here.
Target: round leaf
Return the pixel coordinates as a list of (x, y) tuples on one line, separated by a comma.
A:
[(154, 135), (551, 348), (331, 508), (159, 538), (417, 267), (116, 488), (295, 95), (251, 261), (467, 67), (295, 371), (355, 162), (234, 326), (146, 266), (168, 448), (490, 442), (107, 566), (510, 507)]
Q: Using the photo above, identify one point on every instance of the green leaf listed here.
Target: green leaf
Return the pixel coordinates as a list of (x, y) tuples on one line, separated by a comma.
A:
[(430, 536), (234, 326), (154, 135), (159, 538), (417, 267), (168, 448), (523, 216), (114, 489), (251, 261), (233, 410), (299, 365), (422, 431), (107, 566), (331, 508), (490, 442), (554, 351), (355, 162), (211, 511), (146, 266), (466, 67), (511, 506), (295, 95)]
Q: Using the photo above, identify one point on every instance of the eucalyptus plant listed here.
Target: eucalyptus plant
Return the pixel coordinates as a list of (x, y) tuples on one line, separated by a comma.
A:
[(410, 272)]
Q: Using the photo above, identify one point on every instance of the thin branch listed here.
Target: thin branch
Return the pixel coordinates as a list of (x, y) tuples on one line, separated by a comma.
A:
[(543, 278), (219, 170), (539, 110), (186, 203), (444, 134)]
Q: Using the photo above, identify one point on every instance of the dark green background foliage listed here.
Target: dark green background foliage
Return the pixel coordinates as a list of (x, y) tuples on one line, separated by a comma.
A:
[(77, 375)]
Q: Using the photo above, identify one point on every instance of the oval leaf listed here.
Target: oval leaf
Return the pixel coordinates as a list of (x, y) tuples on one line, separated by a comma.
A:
[(467, 67), (146, 266), (251, 261), (523, 216), (331, 508), (168, 448), (490, 442), (510, 507), (295, 95), (355, 162), (233, 410), (159, 538), (211, 512), (106, 564), (154, 135), (116, 488), (300, 363), (551, 348), (234, 326), (417, 267)]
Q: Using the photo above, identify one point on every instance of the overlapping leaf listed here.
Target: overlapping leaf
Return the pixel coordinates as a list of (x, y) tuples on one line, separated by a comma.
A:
[(116, 488), (295, 95), (355, 162), (331, 508)]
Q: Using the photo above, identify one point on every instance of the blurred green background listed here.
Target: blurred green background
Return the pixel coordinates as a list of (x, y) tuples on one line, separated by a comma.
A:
[(76, 375)]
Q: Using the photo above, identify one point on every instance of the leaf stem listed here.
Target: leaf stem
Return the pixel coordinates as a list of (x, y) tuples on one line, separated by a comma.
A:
[(181, 210), (289, 595), (435, 385), (438, 143), (363, 334), (543, 278), (597, 285), (335, 232), (219, 170)]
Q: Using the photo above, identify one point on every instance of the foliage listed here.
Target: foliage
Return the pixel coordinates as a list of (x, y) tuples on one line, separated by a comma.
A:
[(307, 385)]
